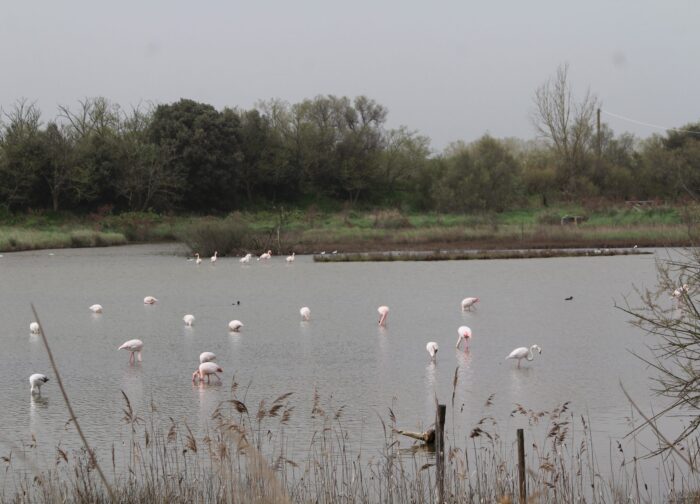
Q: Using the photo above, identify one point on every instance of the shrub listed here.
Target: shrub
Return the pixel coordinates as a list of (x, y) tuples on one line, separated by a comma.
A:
[(231, 235), (391, 219)]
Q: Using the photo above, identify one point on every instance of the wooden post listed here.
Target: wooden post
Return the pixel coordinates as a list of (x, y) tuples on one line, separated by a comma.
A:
[(440, 450), (521, 467)]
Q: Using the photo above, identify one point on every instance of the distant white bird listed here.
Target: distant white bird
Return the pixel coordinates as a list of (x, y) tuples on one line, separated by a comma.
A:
[(265, 255), (149, 300), (188, 319), (207, 357), (305, 313), (134, 346), (467, 303), (235, 325), (206, 369), (290, 258), (96, 308), (36, 381), (524, 353), (432, 349), (213, 258), (34, 328), (245, 259), (198, 259), (383, 314), (464, 334)]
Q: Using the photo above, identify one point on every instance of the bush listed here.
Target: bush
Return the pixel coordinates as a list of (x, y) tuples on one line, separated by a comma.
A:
[(391, 219), (231, 235)]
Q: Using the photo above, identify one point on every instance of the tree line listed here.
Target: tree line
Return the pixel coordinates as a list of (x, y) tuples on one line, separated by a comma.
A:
[(189, 156)]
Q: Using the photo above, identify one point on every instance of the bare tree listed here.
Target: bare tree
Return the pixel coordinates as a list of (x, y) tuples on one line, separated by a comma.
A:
[(567, 125)]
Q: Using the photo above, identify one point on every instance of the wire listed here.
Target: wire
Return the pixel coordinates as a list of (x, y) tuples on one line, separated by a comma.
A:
[(649, 124)]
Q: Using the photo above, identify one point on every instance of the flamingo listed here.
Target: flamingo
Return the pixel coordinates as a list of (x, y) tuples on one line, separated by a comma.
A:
[(467, 303), (189, 319), (36, 381), (305, 313), (383, 314), (265, 255), (290, 258), (134, 346), (432, 349), (524, 353), (213, 258), (465, 334), (96, 308), (235, 325), (245, 259), (198, 259), (34, 328), (207, 357), (206, 369), (149, 300)]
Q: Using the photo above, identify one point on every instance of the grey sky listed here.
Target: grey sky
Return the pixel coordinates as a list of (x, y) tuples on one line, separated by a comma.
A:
[(451, 70)]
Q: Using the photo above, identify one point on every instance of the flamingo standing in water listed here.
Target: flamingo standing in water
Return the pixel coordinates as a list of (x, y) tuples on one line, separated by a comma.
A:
[(213, 258), (198, 259), (206, 369), (235, 325), (149, 300), (524, 353), (134, 346), (96, 308), (467, 303), (432, 349), (305, 313), (265, 255), (290, 258), (465, 334), (189, 319), (383, 314), (207, 357), (245, 259), (36, 381), (34, 328)]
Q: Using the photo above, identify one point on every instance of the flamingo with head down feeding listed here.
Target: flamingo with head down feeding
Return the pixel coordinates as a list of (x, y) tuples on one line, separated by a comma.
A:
[(235, 325), (464, 334), (207, 369), (134, 346), (34, 328), (524, 353), (468, 302), (188, 319), (305, 313), (383, 314), (149, 300), (432, 349), (96, 308), (36, 381)]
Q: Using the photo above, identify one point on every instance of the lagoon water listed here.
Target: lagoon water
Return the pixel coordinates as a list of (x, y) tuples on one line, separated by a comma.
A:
[(341, 352)]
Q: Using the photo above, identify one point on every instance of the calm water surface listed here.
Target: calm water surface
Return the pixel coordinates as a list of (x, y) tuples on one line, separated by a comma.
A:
[(341, 352)]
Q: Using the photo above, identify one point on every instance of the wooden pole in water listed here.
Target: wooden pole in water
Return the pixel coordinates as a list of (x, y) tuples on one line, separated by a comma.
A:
[(440, 450), (521, 467)]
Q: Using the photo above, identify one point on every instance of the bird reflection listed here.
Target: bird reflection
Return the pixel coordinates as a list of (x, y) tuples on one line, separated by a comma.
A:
[(430, 385)]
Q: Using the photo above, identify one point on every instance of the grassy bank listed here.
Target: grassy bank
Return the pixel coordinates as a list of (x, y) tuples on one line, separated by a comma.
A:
[(312, 231)]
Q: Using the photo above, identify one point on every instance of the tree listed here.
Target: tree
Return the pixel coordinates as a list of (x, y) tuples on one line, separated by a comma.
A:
[(567, 126)]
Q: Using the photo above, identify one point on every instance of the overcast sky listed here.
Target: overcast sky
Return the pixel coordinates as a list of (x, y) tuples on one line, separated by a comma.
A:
[(451, 70)]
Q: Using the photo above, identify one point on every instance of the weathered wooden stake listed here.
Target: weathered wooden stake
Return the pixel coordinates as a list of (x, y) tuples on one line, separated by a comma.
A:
[(440, 450), (521, 467)]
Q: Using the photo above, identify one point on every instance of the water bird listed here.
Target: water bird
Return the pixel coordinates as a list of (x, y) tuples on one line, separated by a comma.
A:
[(235, 325), (96, 308), (468, 302), (305, 313), (568, 298), (290, 258), (245, 259), (34, 328), (36, 381), (213, 258), (134, 346), (149, 300), (207, 357), (383, 314), (524, 353), (206, 369), (432, 349), (265, 255), (237, 303), (464, 334), (188, 319), (198, 259)]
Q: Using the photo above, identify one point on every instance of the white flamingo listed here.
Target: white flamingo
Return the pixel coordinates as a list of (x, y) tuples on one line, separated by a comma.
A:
[(245, 259), (432, 349), (149, 300), (206, 369), (207, 357), (36, 381), (34, 328), (468, 302), (524, 353), (290, 258), (383, 314), (198, 259), (213, 258), (464, 334), (305, 313), (134, 346), (235, 325), (265, 255), (188, 319), (96, 308)]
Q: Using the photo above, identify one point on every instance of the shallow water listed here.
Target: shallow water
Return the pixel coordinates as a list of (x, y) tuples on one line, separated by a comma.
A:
[(341, 352)]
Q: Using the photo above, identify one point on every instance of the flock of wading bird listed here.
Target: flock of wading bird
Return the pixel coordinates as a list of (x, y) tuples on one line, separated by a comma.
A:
[(207, 365)]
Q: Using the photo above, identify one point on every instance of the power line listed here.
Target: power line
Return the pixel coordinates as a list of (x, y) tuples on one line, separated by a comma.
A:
[(628, 119)]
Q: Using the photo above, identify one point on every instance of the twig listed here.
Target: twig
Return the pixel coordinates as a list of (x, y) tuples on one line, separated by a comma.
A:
[(70, 408)]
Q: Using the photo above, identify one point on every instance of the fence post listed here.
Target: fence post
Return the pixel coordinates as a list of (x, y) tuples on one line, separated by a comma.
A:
[(440, 450), (521, 467)]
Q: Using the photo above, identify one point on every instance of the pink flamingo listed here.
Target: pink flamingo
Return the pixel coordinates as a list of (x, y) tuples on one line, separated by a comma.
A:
[(465, 334), (206, 369), (383, 314), (467, 303), (134, 346)]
